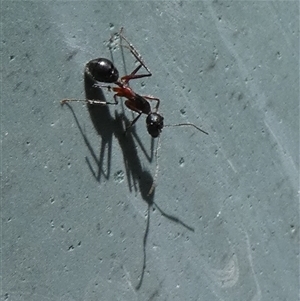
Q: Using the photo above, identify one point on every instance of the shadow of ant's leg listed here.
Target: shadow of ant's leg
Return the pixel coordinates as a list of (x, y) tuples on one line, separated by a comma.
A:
[(133, 122), (156, 168)]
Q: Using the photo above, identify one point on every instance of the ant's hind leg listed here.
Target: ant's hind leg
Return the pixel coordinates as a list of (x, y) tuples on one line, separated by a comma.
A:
[(92, 101), (133, 75), (89, 101), (133, 51), (99, 85), (109, 88)]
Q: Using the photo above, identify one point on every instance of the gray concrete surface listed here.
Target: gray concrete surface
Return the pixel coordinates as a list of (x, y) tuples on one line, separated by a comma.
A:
[(74, 211)]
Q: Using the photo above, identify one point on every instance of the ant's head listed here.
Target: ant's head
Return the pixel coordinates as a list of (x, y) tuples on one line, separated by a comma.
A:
[(155, 123), (102, 70)]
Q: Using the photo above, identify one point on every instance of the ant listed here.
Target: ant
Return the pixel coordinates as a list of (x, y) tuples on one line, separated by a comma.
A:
[(102, 70)]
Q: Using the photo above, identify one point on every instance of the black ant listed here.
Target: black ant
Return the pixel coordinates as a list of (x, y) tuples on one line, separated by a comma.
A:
[(103, 70)]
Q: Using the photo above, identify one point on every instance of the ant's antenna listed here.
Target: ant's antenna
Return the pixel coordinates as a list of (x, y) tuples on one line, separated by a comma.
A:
[(158, 147), (187, 124)]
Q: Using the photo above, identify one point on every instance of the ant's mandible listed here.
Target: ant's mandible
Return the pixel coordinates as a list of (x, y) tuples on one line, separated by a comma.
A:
[(103, 71)]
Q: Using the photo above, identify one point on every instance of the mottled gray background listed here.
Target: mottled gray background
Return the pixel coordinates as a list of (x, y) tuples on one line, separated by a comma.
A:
[(74, 210)]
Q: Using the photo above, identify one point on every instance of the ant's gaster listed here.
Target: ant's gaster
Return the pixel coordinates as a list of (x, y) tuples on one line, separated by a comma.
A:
[(102, 70)]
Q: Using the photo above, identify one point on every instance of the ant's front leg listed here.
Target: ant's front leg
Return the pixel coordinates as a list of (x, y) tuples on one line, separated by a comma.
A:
[(133, 121), (149, 97), (132, 107)]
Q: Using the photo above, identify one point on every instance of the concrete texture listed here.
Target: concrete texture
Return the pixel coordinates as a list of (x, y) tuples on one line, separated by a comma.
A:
[(74, 205)]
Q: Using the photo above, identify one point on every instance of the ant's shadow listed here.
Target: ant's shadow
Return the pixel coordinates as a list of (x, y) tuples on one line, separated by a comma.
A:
[(107, 127)]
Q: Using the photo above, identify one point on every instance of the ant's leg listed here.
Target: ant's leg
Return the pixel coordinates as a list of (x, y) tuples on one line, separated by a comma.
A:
[(109, 88), (149, 97), (92, 101), (89, 101), (133, 75), (106, 102), (99, 85), (133, 51), (115, 99), (131, 107), (133, 121)]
